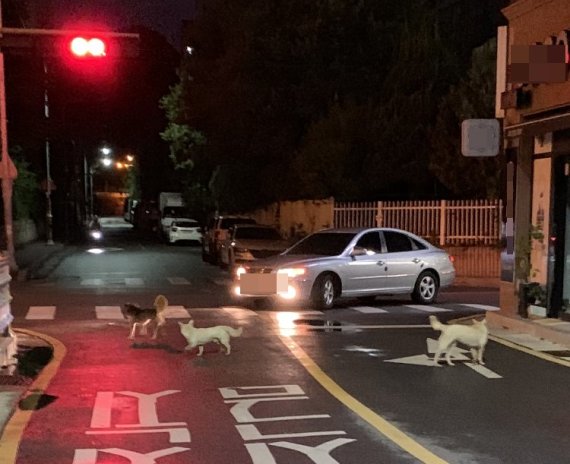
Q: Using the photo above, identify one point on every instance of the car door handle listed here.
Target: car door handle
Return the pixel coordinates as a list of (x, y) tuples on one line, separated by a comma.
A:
[(380, 263), (417, 260)]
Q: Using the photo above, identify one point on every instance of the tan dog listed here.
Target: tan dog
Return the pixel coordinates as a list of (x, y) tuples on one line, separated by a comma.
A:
[(199, 337), (475, 336), (142, 317)]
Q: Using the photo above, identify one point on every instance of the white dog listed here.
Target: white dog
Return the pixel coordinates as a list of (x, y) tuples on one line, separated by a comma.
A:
[(197, 337), (475, 336)]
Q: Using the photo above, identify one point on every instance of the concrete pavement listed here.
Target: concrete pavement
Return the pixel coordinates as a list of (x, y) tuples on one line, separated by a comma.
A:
[(36, 259)]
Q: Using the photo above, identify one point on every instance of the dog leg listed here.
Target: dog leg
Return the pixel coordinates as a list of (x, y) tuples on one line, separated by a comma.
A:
[(144, 326), (474, 355), (481, 350), (227, 347), (132, 334), (436, 357), (200, 350), (448, 354)]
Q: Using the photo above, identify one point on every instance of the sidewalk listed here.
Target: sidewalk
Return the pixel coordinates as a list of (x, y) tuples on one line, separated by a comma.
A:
[(36, 259)]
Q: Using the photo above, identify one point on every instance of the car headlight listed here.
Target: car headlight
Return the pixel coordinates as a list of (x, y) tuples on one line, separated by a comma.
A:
[(292, 271), (240, 270)]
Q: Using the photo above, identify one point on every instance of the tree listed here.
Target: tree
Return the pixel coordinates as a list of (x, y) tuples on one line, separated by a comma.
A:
[(26, 192), (473, 97)]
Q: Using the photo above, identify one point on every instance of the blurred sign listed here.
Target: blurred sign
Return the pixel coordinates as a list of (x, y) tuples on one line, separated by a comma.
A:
[(480, 137)]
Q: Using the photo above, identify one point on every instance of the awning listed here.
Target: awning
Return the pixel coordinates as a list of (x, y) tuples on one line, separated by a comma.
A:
[(539, 126)]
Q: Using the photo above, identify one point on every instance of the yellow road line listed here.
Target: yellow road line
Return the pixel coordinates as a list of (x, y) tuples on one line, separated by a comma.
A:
[(379, 423), (12, 435), (524, 349)]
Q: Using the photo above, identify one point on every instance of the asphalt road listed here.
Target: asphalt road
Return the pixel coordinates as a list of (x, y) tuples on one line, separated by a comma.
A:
[(352, 385)]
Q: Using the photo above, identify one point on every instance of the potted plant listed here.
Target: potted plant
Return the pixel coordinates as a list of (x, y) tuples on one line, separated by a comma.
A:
[(529, 291)]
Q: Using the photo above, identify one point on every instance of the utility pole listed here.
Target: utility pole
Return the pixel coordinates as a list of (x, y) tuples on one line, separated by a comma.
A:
[(49, 215), (8, 171)]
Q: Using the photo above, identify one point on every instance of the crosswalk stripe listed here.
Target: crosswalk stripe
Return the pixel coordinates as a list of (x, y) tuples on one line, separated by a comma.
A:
[(178, 281), (176, 312), (92, 282), (108, 312), (480, 306), (368, 309), (239, 313), (428, 309), (134, 282), (40, 312)]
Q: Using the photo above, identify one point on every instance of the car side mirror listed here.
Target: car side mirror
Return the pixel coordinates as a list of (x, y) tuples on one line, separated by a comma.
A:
[(358, 251)]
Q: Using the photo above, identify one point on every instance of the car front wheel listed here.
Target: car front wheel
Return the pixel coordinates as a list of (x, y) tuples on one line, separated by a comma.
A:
[(426, 288), (324, 292)]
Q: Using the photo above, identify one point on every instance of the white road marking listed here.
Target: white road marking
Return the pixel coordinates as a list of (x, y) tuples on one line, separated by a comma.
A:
[(40, 312), (456, 352), (428, 309), (239, 313), (368, 309), (480, 306), (178, 281), (176, 312), (483, 371), (417, 360), (134, 282), (108, 312), (92, 282), (456, 355)]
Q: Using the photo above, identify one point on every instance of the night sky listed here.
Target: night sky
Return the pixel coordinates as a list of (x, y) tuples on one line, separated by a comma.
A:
[(164, 16)]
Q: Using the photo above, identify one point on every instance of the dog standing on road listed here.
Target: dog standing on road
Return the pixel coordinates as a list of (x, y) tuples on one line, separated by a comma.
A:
[(475, 336), (198, 337), (142, 317)]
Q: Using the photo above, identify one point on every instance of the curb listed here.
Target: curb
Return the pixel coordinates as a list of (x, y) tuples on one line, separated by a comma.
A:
[(529, 327), (11, 431)]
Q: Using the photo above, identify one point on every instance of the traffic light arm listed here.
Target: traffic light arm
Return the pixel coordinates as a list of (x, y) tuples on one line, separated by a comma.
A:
[(54, 41), (67, 32)]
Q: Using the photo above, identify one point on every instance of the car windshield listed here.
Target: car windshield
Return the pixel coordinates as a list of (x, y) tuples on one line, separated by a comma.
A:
[(326, 244), (257, 233), (175, 211), (186, 224)]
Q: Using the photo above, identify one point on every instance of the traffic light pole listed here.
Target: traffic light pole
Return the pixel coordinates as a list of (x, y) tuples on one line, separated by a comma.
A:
[(8, 171)]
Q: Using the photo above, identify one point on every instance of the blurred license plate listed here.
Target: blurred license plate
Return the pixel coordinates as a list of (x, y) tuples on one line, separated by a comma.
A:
[(263, 284)]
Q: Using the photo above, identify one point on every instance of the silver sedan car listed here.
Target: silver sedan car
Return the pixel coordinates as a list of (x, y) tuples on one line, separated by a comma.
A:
[(356, 263)]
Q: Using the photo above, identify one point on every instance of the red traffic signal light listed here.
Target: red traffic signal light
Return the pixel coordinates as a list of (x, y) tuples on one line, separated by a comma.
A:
[(83, 47)]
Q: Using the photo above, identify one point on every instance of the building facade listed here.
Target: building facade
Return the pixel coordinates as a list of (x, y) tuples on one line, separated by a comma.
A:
[(533, 102)]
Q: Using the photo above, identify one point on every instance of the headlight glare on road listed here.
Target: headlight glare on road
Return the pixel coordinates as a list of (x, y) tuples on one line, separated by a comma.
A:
[(290, 294)]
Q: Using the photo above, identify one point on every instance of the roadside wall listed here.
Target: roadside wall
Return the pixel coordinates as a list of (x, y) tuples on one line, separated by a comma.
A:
[(475, 265), (297, 218), (25, 231)]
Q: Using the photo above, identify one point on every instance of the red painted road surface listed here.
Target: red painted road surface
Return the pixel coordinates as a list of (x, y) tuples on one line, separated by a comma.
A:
[(150, 402)]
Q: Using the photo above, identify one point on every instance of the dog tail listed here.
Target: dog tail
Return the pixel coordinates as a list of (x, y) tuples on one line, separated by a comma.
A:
[(235, 332), (160, 303), (435, 324)]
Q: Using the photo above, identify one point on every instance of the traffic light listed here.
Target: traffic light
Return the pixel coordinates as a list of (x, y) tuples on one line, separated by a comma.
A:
[(88, 47)]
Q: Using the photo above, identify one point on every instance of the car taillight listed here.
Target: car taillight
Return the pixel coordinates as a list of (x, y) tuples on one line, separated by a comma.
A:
[(452, 258)]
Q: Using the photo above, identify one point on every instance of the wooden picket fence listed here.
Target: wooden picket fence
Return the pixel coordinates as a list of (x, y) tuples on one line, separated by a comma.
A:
[(443, 222)]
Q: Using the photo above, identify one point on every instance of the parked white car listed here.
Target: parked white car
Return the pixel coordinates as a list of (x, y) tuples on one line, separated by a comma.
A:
[(357, 263), (184, 229)]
